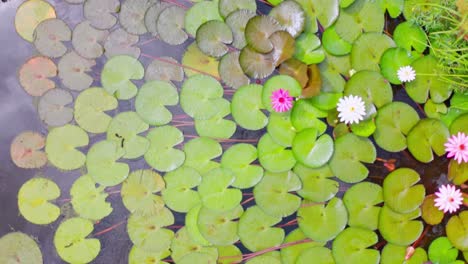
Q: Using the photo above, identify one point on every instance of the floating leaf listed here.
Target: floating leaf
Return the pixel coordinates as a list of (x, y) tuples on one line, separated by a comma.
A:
[(460, 124), (322, 223), (199, 13), (215, 192), (392, 60), (258, 31), (119, 42), (283, 46), (263, 259), (35, 73), (457, 232), (231, 71), (71, 243), (229, 254), (332, 70), (393, 254), (430, 213), (334, 44), (296, 69), (196, 62), (237, 21), (139, 192), (285, 82), (164, 69), (117, 75), (410, 36), (20, 248), (191, 224), (321, 255), (88, 41), (368, 49), (197, 258), (30, 14), (361, 200), (256, 232), (238, 159), (272, 193), (219, 228), (212, 38), (216, 126), (170, 25), (101, 12), (246, 107), (53, 108), (137, 256), (305, 115), (310, 150), (350, 152), (290, 254), (182, 245), (88, 200), (457, 172), (25, 150), (227, 7), (308, 49), (152, 15), (49, 35), (34, 198), (161, 154), (199, 153), (316, 185), (400, 191), (350, 246), (426, 136), (89, 109), (442, 251), (61, 147), (178, 194), (400, 229), (290, 16), (132, 15), (152, 99), (393, 7), (256, 65), (102, 164), (74, 71), (274, 157), (379, 94), (325, 11)]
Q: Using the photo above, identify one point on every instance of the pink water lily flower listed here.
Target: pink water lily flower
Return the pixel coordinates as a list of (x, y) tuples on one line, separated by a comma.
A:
[(457, 147), (448, 198), (281, 101)]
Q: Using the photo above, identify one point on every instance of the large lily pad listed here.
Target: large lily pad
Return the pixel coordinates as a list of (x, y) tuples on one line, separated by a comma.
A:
[(362, 201), (152, 99), (410, 36), (29, 15), (88, 200), (238, 159), (20, 248), (392, 60), (215, 192), (379, 93), (393, 254), (182, 245), (220, 228), (350, 152), (400, 229), (442, 251), (161, 154), (74, 71), (400, 191), (178, 194), (290, 254), (34, 199), (368, 49), (199, 153), (281, 129), (102, 164), (316, 185), (61, 147), (325, 11), (429, 212), (246, 107), (350, 246), (200, 13), (310, 150), (274, 157), (217, 126), (457, 231), (117, 75), (426, 136)]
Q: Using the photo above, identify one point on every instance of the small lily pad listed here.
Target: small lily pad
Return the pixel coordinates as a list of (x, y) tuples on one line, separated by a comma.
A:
[(49, 36), (53, 108), (400, 229), (88, 200), (220, 228), (246, 107), (199, 13), (316, 185), (26, 150), (35, 73), (258, 31), (199, 153), (237, 159), (308, 49), (350, 246), (426, 136), (274, 157), (284, 82), (161, 154), (74, 71), (400, 191), (410, 36), (305, 115), (429, 212), (87, 41), (290, 254), (256, 65), (215, 192), (170, 25), (182, 245), (178, 194), (362, 201), (332, 70), (34, 201), (61, 147), (117, 75), (19, 247), (442, 251), (281, 129), (101, 13)]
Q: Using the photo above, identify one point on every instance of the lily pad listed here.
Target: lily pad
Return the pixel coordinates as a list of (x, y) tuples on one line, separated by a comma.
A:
[(26, 150), (34, 199), (272, 193), (256, 65), (191, 224), (124, 129), (325, 11), (170, 25), (213, 37), (400, 229), (200, 13), (101, 13), (227, 7), (19, 247), (217, 126), (139, 193), (362, 202), (246, 107), (49, 36), (410, 36), (138, 255), (215, 192), (334, 44), (285, 82), (290, 254), (102, 164), (310, 150), (196, 62), (258, 31), (120, 42), (332, 70), (393, 254), (322, 223), (308, 49), (88, 200), (53, 108), (429, 212), (393, 122), (256, 232), (74, 71), (229, 254), (368, 49), (283, 47), (61, 147), (290, 16), (274, 157), (161, 154), (394, 7), (238, 159), (35, 74), (152, 99), (305, 115), (178, 194), (460, 124), (400, 191), (196, 257), (90, 107), (442, 251), (71, 243), (456, 230), (199, 153), (350, 246), (316, 185), (30, 14), (87, 41), (426, 136), (132, 15), (117, 75), (152, 16), (392, 60), (237, 21), (350, 152), (320, 255), (379, 94), (231, 71), (164, 69), (296, 69), (182, 245), (220, 228)]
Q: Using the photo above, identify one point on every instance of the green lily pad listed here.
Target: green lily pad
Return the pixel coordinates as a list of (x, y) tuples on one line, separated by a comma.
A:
[(71, 243), (246, 107), (178, 194), (320, 255), (219, 228), (102, 164), (457, 232), (400, 191), (364, 128), (256, 232), (322, 222), (199, 153), (290, 16), (350, 246), (124, 130), (362, 201), (310, 150), (191, 224), (152, 99), (200, 13), (368, 49), (394, 7), (217, 126), (237, 21), (215, 192), (213, 37), (196, 62), (117, 76), (229, 254), (379, 93), (138, 255), (325, 11), (182, 245), (392, 60), (238, 159), (34, 198), (139, 192), (147, 232), (308, 49), (410, 36), (272, 193), (332, 70), (231, 71), (305, 115), (442, 251), (400, 229), (284, 82), (61, 147), (227, 7), (88, 200), (434, 110), (350, 152), (199, 96), (161, 154), (334, 44), (281, 129), (197, 258), (460, 124), (289, 255), (90, 107), (264, 259), (393, 254), (429, 212), (426, 136), (274, 157), (393, 122), (20, 248), (457, 172), (427, 82), (316, 185)]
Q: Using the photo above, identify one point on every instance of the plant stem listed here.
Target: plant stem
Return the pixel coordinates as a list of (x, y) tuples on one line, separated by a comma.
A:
[(110, 228), (248, 200)]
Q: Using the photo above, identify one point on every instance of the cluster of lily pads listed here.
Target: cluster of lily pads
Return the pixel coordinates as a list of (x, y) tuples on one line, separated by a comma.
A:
[(298, 191)]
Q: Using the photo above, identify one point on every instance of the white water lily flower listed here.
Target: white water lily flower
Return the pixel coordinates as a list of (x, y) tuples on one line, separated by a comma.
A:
[(406, 74), (351, 109)]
